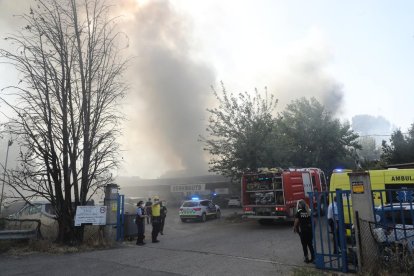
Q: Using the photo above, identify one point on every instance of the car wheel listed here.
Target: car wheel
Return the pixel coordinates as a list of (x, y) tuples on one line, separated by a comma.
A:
[(203, 217), (218, 214), (183, 220)]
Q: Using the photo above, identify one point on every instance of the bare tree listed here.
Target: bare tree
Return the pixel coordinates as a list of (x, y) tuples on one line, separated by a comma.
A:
[(68, 57)]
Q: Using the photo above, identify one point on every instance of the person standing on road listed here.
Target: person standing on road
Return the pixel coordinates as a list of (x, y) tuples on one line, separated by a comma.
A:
[(163, 216), (333, 221), (303, 226), (140, 222), (156, 218), (148, 210)]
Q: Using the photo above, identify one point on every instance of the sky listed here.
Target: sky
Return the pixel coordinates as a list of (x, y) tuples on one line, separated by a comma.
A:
[(356, 57)]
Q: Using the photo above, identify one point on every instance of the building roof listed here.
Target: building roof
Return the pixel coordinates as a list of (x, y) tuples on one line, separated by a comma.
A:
[(401, 166)]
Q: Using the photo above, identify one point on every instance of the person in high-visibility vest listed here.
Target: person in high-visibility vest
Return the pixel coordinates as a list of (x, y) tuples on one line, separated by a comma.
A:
[(156, 218)]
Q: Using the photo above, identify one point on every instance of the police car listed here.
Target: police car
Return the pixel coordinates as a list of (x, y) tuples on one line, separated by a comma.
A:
[(395, 224), (199, 209)]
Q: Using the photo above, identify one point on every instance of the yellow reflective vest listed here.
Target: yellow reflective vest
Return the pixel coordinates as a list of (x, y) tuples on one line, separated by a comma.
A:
[(156, 209)]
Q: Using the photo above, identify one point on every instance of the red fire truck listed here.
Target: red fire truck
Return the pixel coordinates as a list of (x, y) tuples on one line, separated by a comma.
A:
[(272, 194)]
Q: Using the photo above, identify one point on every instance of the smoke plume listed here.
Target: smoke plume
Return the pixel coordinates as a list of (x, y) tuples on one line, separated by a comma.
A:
[(377, 127), (170, 86), (304, 73)]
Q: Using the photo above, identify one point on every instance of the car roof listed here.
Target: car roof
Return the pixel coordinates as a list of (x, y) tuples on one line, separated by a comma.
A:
[(393, 206)]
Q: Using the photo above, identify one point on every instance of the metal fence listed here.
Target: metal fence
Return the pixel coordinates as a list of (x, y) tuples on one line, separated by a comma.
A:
[(334, 242), (382, 250), (386, 244)]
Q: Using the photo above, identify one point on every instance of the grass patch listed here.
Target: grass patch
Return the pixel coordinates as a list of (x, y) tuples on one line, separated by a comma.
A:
[(310, 271), (93, 240), (28, 247), (306, 271)]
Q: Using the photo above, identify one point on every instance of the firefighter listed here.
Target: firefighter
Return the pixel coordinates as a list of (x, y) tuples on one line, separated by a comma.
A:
[(303, 226), (156, 218)]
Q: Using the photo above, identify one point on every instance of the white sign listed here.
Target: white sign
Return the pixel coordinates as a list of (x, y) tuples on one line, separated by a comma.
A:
[(222, 191), (95, 215), (188, 188)]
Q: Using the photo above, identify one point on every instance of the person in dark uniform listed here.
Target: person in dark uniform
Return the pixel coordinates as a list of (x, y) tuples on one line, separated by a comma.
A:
[(148, 210), (156, 218), (140, 222), (163, 212), (303, 226)]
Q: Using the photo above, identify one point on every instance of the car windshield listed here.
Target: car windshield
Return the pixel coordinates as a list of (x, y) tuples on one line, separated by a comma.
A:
[(190, 204), (398, 217)]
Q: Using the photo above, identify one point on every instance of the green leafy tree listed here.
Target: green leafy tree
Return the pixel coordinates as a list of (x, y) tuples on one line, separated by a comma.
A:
[(239, 133), (400, 149), (316, 138)]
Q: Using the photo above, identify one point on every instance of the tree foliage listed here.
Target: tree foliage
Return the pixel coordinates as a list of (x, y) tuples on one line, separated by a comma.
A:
[(67, 114), (243, 135), (401, 148), (239, 132), (316, 138)]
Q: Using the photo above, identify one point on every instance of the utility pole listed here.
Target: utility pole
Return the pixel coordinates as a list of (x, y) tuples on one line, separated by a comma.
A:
[(10, 142)]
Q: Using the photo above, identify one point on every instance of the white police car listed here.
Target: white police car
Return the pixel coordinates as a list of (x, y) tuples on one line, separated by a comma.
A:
[(199, 209)]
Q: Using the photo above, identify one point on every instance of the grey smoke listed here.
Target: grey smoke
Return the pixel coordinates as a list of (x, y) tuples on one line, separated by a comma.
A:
[(376, 127), (171, 83), (306, 76), (366, 124)]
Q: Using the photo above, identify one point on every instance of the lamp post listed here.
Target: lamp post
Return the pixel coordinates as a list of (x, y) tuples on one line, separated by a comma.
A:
[(10, 142)]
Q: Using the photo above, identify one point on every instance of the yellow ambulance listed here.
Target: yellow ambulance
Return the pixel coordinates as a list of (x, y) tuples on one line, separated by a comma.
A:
[(380, 180)]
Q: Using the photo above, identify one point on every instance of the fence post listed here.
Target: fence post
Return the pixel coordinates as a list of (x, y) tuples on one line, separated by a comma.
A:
[(362, 205), (110, 201)]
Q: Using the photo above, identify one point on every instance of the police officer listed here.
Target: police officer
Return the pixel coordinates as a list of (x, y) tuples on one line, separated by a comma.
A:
[(148, 210), (163, 216), (140, 222), (156, 218), (303, 226)]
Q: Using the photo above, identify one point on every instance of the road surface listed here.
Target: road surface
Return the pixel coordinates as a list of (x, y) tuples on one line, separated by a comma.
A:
[(216, 247)]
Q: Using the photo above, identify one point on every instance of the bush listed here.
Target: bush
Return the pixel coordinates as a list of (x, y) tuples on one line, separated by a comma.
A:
[(396, 258)]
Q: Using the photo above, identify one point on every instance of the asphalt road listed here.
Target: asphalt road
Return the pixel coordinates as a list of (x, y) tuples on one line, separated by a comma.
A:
[(216, 247)]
